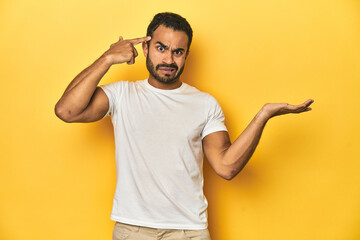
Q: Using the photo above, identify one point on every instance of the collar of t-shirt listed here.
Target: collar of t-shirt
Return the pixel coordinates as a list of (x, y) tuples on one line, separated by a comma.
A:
[(176, 90)]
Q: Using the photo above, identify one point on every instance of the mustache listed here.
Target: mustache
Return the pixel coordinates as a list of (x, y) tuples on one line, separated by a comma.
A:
[(167, 65)]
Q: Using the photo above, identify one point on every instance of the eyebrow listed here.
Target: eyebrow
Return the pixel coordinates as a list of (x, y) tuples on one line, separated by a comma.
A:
[(166, 47)]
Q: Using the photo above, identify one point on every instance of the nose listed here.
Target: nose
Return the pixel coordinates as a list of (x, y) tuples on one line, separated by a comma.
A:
[(168, 58)]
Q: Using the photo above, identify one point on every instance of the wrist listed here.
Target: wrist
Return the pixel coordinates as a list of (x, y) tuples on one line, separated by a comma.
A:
[(106, 59), (263, 116)]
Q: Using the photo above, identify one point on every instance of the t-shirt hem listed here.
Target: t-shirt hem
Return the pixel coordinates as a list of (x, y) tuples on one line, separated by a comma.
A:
[(110, 102), (160, 226), (213, 130)]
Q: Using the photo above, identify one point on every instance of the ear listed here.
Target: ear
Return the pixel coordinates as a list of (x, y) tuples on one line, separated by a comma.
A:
[(186, 54), (145, 48)]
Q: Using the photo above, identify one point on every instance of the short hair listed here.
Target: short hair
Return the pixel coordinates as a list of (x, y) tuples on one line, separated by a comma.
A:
[(170, 20)]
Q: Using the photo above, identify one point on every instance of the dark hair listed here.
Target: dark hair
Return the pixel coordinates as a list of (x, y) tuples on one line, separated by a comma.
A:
[(170, 20)]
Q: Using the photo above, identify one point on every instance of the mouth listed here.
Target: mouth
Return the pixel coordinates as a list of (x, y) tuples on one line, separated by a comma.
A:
[(166, 70)]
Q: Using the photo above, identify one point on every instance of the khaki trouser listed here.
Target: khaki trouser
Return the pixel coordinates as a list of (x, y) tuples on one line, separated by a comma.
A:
[(124, 231)]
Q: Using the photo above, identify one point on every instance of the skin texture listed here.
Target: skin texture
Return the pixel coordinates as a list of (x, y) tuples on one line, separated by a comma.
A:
[(84, 101)]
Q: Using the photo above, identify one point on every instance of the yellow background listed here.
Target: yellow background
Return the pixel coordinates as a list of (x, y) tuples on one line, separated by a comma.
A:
[(58, 179)]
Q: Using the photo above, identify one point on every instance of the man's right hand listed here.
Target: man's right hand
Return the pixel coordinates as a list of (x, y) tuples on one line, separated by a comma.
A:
[(124, 50), (83, 100)]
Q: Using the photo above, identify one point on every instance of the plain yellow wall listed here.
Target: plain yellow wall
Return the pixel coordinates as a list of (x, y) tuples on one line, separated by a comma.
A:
[(58, 179)]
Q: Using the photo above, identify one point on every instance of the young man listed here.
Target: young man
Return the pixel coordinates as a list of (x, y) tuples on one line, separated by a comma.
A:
[(162, 127)]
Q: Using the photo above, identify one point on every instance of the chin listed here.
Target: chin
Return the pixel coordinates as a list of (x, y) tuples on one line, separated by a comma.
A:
[(167, 81)]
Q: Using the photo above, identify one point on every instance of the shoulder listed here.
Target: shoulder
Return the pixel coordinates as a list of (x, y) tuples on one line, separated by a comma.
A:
[(122, 84), (206, 97), (209, 100), (113, 85)]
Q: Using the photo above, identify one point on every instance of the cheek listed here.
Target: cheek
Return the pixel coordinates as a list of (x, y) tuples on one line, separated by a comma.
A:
[(180, 62), (155, 57)]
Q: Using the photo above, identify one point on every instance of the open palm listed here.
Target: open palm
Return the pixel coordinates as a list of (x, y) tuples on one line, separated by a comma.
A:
[(275, 109)]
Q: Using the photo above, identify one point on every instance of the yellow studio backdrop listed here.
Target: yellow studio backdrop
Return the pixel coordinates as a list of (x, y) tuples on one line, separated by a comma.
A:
[(58, 179)]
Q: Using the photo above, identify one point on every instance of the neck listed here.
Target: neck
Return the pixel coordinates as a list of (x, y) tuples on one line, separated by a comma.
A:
[(167, 86)]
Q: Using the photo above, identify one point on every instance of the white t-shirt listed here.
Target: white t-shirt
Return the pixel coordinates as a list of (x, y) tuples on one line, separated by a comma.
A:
[(159, 156)]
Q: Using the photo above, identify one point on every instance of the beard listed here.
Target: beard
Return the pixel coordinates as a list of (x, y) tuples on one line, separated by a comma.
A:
[(167, 79)]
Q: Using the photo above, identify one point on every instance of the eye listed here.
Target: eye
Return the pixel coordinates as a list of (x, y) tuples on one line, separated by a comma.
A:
[(161, 48), (178, 52)]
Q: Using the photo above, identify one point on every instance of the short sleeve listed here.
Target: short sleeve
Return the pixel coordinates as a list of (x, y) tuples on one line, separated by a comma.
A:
[(113, 92), (215, 118)]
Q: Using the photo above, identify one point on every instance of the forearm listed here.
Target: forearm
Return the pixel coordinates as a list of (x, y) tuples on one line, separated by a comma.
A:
[(79, 92), (241, 150)]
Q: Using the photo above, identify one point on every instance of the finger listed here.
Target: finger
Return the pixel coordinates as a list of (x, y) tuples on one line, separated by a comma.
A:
[(131, 61), (292, 107), (139, 40), (309, 102), (303, 106), (304, 109), (135, 53), (295, 108), (120, 38)]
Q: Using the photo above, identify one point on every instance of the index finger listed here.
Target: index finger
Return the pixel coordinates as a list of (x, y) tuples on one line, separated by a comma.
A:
[(139, 40), (308, 102)]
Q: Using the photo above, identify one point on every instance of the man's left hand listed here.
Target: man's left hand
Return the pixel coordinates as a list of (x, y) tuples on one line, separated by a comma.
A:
[(275, 109)]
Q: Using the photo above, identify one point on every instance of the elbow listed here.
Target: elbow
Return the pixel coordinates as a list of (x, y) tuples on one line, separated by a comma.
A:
[(229, 171), (225, 170), (63, 114), (232, 173), (230, 168), (227, 174)]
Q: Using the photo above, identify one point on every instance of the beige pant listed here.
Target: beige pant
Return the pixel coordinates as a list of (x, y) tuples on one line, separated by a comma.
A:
[(124, 231)]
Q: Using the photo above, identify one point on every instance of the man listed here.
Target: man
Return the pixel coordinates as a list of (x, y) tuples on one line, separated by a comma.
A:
[(162, 127)]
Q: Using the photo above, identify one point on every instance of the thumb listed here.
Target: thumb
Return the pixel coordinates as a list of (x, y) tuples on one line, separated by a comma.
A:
[(120, 38)]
